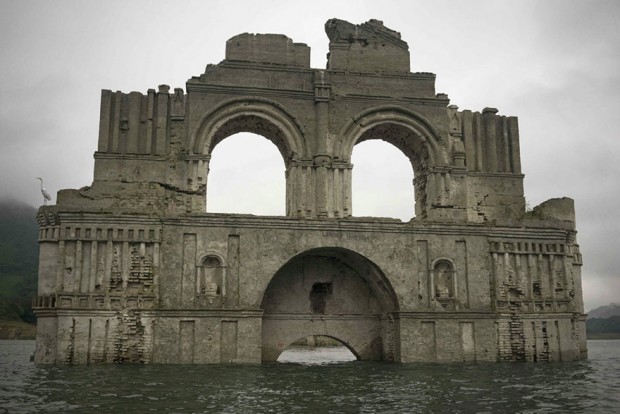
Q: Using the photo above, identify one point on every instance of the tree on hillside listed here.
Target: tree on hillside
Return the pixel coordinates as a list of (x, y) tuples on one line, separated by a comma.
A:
[(603, 325), (19, 260)]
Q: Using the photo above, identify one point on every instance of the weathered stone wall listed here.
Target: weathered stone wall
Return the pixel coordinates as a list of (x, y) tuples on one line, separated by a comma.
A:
[(132, 268), (503, 280)]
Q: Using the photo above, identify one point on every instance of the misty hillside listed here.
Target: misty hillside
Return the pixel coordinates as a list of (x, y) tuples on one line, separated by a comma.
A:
[(19, 260), (603, 312), (604, 322)]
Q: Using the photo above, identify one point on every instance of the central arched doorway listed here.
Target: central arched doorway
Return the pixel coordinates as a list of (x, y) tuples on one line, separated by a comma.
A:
[(333, 292)]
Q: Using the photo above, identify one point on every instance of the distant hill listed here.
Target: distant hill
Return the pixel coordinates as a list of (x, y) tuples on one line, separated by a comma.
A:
[(19, 260), (607, 311), (604, 322)]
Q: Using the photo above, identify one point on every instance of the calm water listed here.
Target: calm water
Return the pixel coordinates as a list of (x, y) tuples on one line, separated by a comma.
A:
[(591, 386)]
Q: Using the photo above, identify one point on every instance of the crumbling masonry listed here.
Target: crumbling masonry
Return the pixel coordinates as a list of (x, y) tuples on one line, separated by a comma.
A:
[(132, 268)]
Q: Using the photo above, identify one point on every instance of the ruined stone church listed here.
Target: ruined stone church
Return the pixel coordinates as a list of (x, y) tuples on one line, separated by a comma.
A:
[(133, 269)]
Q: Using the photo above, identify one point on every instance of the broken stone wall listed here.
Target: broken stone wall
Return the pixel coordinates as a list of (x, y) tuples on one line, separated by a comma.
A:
[(367, 47)]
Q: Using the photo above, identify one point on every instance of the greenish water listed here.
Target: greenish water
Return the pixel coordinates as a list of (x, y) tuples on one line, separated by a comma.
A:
[(305, 385)]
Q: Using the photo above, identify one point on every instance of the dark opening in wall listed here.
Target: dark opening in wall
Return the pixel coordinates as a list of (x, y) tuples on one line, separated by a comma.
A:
[(319, 295)]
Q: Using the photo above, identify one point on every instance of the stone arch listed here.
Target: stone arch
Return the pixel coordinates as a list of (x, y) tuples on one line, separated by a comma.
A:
[(213, 253), (330, 291), (346, 345), (251, 114), (408, 131), (421, 130)]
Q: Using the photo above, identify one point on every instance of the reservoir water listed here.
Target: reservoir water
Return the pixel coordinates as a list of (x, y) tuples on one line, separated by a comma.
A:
[(312, 381)]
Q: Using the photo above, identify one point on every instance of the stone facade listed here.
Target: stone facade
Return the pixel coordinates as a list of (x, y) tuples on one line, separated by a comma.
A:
[(132, 268)]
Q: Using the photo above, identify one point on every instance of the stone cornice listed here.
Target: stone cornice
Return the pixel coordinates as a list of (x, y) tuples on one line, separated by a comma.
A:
[(495, 174), (330, 227), (192, 314), (251, 91), (118, 156), (438, 102)]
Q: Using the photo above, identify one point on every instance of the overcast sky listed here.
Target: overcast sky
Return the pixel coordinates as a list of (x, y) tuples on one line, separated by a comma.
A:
[(555, 64)]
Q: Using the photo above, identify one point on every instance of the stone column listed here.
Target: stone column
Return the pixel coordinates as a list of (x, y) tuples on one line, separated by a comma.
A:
[(150, 103), (321, 164), (114, 145), (322, 160), (513, 131), (232, 275), (105, 117), (291, 201), (133, 123), (507, 160), (125, 263), (161, 134), (188, 271), (197, 174), (93, 266), (77, 282), (60, 266), (296, 186), (490, 127)]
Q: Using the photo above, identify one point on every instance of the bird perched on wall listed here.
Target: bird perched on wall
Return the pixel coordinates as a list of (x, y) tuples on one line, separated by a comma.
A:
[(46, 196)]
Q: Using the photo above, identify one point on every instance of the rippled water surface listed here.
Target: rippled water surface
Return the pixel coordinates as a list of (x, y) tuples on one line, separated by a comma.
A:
[(302, 385)]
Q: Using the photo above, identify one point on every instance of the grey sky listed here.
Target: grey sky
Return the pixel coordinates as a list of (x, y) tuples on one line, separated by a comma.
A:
[(554, 64)]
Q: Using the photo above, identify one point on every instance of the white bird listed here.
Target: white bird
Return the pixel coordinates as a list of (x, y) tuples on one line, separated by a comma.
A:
[(46, 195)]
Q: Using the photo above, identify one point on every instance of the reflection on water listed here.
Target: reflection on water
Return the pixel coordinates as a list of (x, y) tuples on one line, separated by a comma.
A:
[(591, 386)]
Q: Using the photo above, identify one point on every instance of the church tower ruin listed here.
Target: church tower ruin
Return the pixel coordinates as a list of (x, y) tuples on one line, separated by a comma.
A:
[(133, 268)]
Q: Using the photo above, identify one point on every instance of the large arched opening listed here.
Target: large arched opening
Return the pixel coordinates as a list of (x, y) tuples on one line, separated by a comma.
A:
[(412, 134), (241, 116), (333, 292), (403, 138)]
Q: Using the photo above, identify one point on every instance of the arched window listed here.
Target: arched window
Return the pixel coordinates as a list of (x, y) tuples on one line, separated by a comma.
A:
[(246, 175), (210, 281), (443, 280), (382, 181)]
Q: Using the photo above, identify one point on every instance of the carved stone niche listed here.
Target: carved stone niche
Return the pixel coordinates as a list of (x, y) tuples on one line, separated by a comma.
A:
[(443, 283), (210, 281)]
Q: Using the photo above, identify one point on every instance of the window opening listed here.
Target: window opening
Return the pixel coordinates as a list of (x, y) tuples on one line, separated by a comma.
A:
[(246, 175), (318, 296), (382, 182)]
